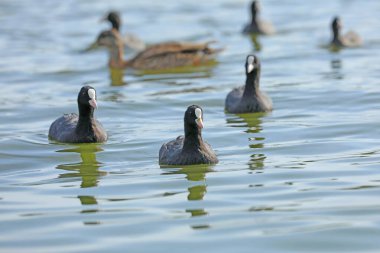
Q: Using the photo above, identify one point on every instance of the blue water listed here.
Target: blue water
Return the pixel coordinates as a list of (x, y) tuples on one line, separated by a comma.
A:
[(304, 178)]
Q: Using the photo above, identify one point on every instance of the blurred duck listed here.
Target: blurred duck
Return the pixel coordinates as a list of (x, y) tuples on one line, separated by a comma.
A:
[(160, 56), (82, 128), (129, 40), (189, 149), (249, 98), (258, 26), (350, 39)]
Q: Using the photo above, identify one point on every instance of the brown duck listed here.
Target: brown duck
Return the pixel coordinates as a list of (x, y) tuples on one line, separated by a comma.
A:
[(160, 56)]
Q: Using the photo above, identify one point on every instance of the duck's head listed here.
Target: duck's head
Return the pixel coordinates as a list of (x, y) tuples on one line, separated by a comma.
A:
[(87, 98), (255, 8), (194, 117), (252, 63), (336, 25), (114, 18)]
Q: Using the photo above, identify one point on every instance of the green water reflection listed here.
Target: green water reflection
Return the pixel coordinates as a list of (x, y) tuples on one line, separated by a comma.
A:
[(191, 72), (334, 48), (194, 173), (205, 68), (88, 172), (87, 169), (252, 122), (254, 38), (117, 77)]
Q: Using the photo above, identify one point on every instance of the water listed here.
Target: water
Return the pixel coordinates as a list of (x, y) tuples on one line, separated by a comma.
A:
[(304, 178)]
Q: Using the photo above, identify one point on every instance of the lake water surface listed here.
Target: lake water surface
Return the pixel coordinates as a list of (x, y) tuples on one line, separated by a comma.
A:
[(304, 178)]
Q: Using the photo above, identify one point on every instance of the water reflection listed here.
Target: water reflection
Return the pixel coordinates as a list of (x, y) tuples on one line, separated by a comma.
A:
[(189, 72), (336, 69), (252, 122), (205, 69), (194, 173), (117, 77), (255, 42), (334, 49), (87, 200), (87, 169)]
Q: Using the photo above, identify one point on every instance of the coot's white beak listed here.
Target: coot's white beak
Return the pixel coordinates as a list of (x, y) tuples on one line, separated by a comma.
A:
[(93, 103), (250, 68), (199, 121), (250, 63)]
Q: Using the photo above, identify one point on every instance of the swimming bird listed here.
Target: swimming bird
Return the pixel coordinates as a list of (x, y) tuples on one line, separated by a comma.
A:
[(160, 56), (350, 39), (249, 98), (129, 40), (189, 149), (71, 128), (258, 26)]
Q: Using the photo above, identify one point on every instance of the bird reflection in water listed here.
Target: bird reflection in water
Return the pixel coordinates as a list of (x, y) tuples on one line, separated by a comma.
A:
[(252, 122), (255, 42), (336, 69), (194, 173), (117, 77), (204, 71), (87, 170)]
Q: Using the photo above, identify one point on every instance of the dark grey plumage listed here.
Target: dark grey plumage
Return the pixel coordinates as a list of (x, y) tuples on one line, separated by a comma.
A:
[(258, 26), (350, 39), (82, 128), (189, 149), (249, 98)]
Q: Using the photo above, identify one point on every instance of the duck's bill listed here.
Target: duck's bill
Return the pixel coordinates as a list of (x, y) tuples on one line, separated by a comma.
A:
[(94, 45), (103, 19)]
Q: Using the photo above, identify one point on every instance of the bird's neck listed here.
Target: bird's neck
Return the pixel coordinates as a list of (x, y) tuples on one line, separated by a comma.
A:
[(193, 138), (336, 35), (254, 19), (115, 25), (252, 83), (116, 58), (85, 121)]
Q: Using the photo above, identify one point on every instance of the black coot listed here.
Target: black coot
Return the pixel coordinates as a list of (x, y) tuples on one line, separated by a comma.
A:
[(258, 26), (71, 128), (350, 39), (189, 149), (249, 98)]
